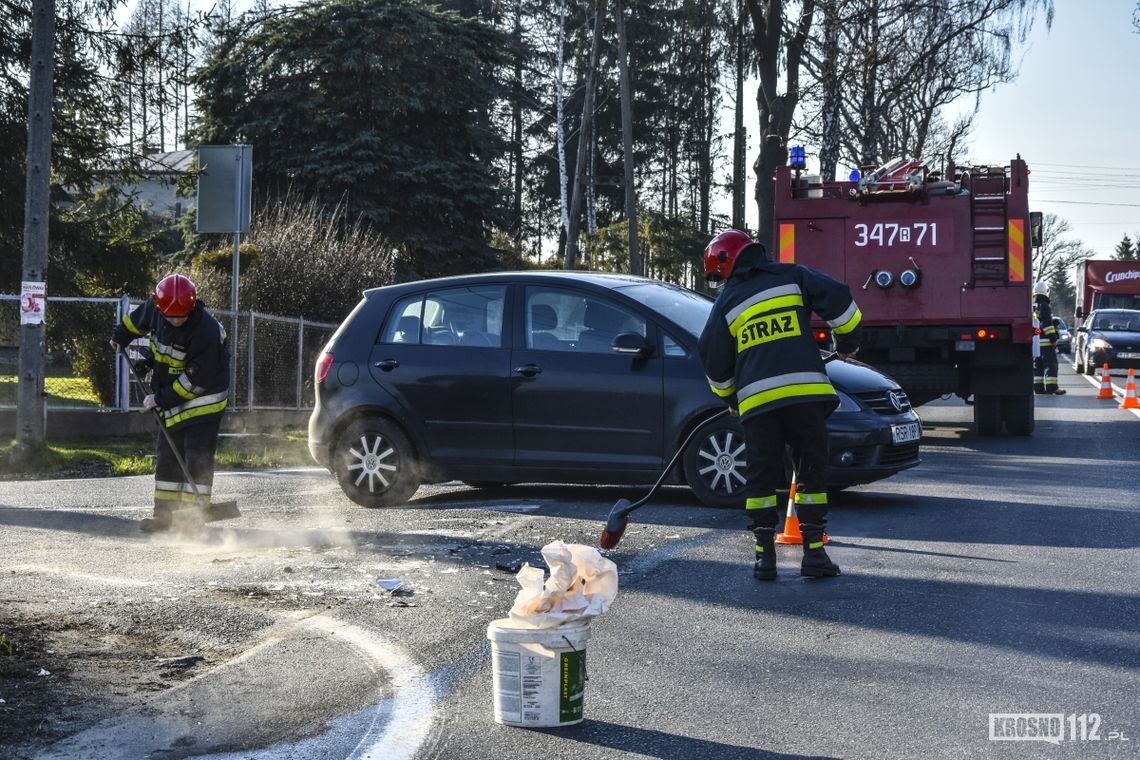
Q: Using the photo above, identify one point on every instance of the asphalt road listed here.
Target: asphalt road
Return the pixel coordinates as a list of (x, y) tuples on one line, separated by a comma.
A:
[(1000, 576)]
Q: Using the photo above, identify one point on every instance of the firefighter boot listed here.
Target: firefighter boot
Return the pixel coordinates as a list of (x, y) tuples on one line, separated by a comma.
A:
[(765, 567), (816, 563), (163, 517), (763, 527)]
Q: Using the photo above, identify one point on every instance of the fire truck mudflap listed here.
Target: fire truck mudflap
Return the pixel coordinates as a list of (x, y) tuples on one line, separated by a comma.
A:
[(939, 264)]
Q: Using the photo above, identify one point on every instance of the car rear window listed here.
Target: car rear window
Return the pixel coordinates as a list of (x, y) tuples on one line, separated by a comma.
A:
[(470, 316)]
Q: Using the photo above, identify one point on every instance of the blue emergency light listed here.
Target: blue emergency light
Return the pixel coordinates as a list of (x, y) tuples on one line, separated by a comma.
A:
[(854, 176), (797, 157)]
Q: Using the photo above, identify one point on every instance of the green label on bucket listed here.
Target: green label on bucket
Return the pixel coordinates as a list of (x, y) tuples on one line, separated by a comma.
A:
[(572, 685)]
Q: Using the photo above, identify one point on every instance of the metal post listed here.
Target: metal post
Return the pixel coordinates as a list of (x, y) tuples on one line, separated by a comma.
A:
[(234, 319), (122, 379), (249, 361), (31, 403), (300, 359)]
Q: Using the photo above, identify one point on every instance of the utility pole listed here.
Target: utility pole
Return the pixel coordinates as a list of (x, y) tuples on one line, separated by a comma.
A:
[(31, 409)]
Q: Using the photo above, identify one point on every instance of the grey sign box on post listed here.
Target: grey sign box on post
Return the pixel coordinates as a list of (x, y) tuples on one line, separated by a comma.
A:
[(224, 187)]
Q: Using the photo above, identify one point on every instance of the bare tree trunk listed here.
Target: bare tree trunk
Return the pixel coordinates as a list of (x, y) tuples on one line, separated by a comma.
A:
[(517, 133), (583, 136), (832, 92), (740, 137), (708, 127), (560, 126), (869, 149), (775, 110), (627, 140)]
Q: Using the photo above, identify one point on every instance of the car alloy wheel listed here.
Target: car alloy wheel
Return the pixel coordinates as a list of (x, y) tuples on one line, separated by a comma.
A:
[(715, 462), (375, 464)]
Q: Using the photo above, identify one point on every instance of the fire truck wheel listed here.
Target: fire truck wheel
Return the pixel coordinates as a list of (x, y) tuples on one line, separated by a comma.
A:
[(1018, 414), (987, 414)]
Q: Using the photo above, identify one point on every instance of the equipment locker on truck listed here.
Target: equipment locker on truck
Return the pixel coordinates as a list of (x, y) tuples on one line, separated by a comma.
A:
[(940, 266)]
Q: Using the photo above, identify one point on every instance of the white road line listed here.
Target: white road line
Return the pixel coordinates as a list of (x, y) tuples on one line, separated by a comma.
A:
[(413, 699)]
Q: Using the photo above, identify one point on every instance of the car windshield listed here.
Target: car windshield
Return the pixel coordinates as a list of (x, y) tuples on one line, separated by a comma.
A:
[(1117, 320), (687, 308)]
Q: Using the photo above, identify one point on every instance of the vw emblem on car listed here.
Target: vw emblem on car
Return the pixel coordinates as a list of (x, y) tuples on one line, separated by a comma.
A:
[(896, 398)]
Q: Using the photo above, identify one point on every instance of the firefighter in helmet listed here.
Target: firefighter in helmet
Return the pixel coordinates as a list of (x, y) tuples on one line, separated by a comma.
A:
[(762, 360), (190, 380), (1045, 363)]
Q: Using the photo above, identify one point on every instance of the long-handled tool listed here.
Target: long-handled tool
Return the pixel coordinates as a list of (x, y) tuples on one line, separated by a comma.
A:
[(215, 510), (619, 515), (618, 520)]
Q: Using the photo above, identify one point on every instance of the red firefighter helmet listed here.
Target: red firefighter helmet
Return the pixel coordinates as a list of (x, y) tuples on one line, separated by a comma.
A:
[(175, 295), (721, 253)]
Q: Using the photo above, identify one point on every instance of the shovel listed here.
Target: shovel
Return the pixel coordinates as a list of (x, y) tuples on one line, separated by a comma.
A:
[(215, 510)]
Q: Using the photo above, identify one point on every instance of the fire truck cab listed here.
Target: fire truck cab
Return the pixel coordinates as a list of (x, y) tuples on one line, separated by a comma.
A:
[(939, 264)]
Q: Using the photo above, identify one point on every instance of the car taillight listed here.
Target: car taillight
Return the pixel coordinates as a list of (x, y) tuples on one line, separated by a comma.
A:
[(986, 333), (821, 335), (323, 365)]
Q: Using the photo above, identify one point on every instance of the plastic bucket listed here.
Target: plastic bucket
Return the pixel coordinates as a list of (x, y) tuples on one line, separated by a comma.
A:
[(539, 673)]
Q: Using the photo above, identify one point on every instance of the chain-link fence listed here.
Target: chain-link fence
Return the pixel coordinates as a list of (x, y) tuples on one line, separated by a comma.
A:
[(273, 357)]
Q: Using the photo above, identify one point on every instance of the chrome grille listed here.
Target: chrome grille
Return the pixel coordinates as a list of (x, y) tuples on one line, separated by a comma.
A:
[(880, 401)]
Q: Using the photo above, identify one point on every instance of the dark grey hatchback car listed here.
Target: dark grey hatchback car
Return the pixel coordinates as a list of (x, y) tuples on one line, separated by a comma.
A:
[(556, 377)]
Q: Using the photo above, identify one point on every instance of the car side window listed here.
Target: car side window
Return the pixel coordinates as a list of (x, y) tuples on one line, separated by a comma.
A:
[(471, 316), (565, 320), (405, 323), (672, 347)]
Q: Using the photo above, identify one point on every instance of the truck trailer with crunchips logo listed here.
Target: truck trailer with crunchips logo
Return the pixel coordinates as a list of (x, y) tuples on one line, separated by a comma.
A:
[(939, 263), (1107, 285)]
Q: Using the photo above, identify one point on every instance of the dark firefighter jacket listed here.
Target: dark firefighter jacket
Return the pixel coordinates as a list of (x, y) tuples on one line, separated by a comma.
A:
[(757, 346), (191, 363), (1043, 313)]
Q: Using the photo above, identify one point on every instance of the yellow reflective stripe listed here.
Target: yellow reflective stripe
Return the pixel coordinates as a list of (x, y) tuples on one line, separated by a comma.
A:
[(787, 243), (173, 416), (723, 392), (760, 307), (815, 545), (760, 502), (811, 498), (189, 497), (130, 325), (183, 392), (783, 392), (759, 549), (167, 495), (847, 321), (1017, 250)]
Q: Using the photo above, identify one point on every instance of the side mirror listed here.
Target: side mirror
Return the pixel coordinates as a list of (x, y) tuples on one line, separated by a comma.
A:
[(1036, 228), (632, 343)]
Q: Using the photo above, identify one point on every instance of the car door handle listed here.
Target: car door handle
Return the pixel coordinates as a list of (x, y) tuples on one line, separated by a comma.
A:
[(387, 364), (529, 370)]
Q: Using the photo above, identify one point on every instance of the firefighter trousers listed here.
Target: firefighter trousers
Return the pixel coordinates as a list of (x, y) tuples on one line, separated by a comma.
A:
[(1045, 371), (803, 427), (197, 443)]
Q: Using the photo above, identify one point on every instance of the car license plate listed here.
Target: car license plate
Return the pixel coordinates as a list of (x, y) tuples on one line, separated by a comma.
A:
[(963, 345), (1128, 355), (905, 433)]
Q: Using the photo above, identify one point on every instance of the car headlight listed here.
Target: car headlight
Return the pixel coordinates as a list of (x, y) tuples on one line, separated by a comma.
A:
[(846, 403), (1100, 344)]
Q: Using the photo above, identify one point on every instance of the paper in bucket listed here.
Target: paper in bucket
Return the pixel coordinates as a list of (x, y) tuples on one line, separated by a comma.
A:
[(581, 586), (538, 654)]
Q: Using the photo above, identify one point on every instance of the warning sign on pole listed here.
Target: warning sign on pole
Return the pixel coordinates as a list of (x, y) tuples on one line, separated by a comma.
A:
[(33, 302)]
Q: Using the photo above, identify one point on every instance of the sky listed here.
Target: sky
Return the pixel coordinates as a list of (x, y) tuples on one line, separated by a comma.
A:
[(1073, 115)]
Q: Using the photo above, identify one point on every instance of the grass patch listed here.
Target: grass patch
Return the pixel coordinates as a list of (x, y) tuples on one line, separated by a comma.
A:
[(104, 457), (60, 391)]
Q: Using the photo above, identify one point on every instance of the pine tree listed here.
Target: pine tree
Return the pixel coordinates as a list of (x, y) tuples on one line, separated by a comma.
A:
[(1125, 250)]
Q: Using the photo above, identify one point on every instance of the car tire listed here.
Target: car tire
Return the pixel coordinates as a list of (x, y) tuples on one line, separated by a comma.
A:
[(1017, 411), (1090, 364), (714, 463), (375, 464), (987, 414), (1078, 363)]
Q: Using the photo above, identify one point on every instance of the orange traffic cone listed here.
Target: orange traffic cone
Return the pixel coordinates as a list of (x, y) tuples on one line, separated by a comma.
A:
[(1105, 383), (1129, 401), (791, 534)]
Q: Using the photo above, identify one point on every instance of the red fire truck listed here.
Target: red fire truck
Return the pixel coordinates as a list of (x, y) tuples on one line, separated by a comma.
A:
[(939, 264), (1107, 285)]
